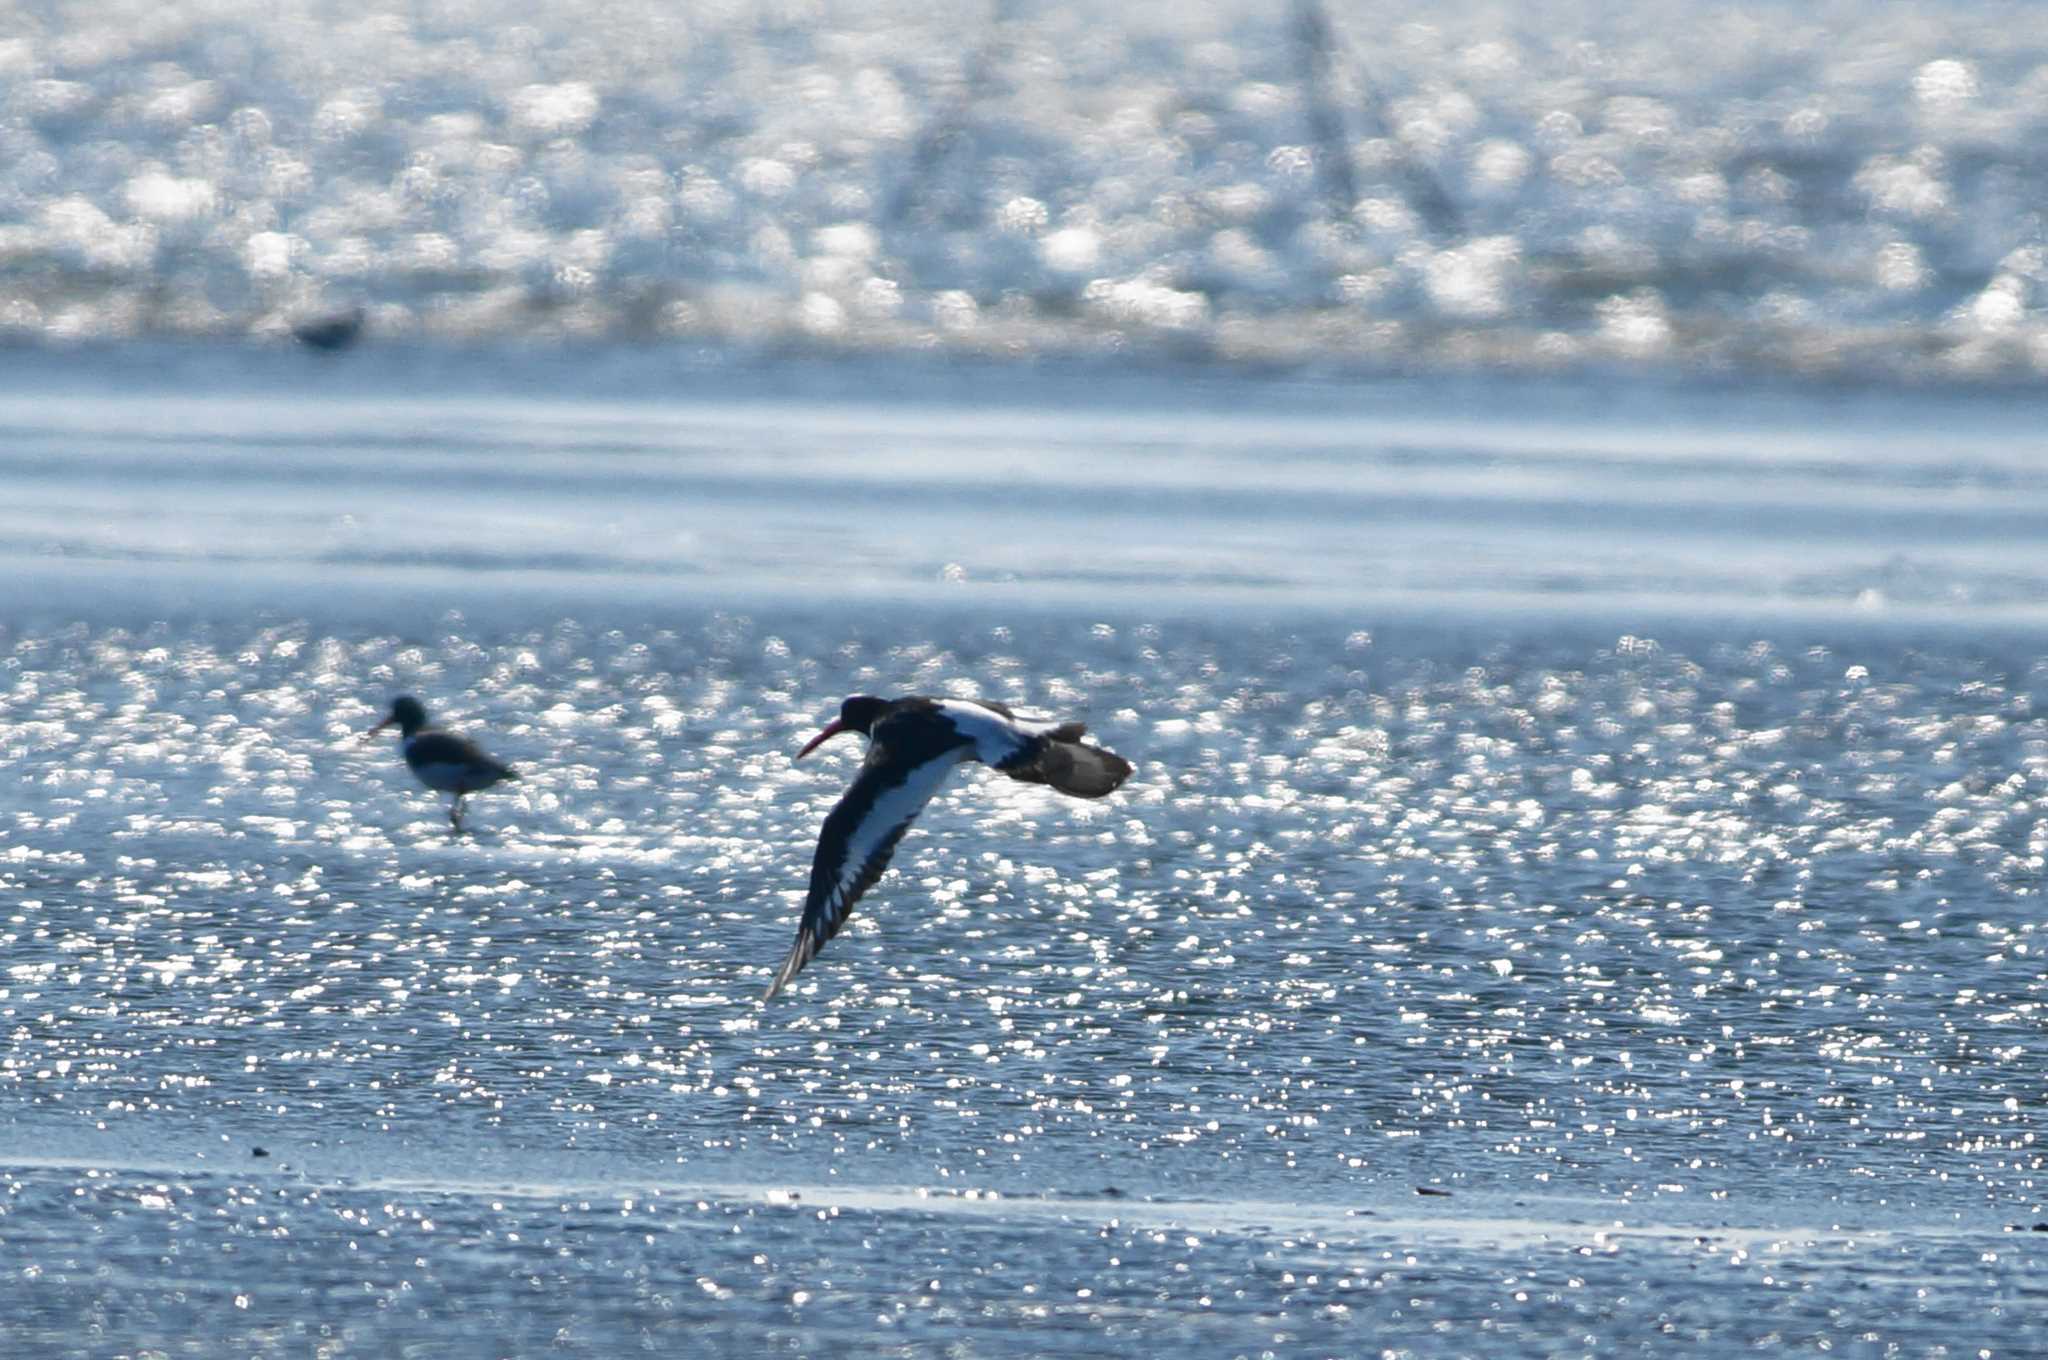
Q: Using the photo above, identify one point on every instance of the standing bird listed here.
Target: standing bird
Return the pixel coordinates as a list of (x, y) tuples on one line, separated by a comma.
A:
[(913, 744), (442, 760)]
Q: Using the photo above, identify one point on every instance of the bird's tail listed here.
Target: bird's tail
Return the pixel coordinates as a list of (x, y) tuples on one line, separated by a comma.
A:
[(1072, 766)]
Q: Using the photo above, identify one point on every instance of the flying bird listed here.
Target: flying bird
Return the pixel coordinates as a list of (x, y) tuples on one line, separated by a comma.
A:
[(442, 760), (913, 744)]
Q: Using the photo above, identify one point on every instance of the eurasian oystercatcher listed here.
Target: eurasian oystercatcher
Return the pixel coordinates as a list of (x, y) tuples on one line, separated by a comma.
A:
[(330, 331), (913, 744), (442, 760)]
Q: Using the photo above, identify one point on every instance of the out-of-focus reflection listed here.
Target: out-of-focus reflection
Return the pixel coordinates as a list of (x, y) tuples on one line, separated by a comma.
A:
[(1749, 190)]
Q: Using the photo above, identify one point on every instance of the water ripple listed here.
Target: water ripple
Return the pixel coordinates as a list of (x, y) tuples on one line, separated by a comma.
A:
[(1622, 913)]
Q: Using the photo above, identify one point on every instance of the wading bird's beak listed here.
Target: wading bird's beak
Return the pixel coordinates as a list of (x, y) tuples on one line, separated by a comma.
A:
[(378, 728), (832, 729)]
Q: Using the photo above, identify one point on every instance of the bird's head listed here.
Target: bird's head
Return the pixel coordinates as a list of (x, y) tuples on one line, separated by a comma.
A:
[(408, 713), (857, 714)]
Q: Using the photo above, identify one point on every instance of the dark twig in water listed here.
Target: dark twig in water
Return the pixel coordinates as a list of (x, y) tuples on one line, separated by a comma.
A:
[(947, 126), (1325, 79)]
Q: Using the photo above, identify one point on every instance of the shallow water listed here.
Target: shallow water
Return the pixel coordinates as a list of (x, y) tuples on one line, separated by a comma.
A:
[(396, 485), (1843, 189), (1696, 953)]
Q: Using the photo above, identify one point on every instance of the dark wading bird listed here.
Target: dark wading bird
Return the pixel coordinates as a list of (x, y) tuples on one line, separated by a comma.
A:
[(913, 744), (330, 331), (442, 760)]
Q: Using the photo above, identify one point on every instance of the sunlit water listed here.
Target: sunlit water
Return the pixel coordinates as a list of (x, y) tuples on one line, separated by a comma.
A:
[(1844, 188), (1694, 949)]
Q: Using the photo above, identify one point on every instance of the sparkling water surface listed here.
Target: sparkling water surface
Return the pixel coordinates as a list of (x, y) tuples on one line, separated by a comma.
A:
[(1845, 188), (1580, 890), (1453, 976)]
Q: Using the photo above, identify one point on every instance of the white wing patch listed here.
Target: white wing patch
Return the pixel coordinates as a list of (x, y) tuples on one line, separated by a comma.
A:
[(995, 737), (891, 809)]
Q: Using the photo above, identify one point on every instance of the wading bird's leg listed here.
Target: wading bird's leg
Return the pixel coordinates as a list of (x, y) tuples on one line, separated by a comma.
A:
[(455, 813)]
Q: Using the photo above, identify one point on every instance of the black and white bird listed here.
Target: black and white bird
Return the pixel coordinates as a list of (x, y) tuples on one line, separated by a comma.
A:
[(913, 744), (442, 760)]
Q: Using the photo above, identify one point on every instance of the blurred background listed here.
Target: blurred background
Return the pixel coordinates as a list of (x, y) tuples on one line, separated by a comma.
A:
[(1846, 189)]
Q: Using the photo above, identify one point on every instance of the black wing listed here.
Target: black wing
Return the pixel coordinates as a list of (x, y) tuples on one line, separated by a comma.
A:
[(854, 847)]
